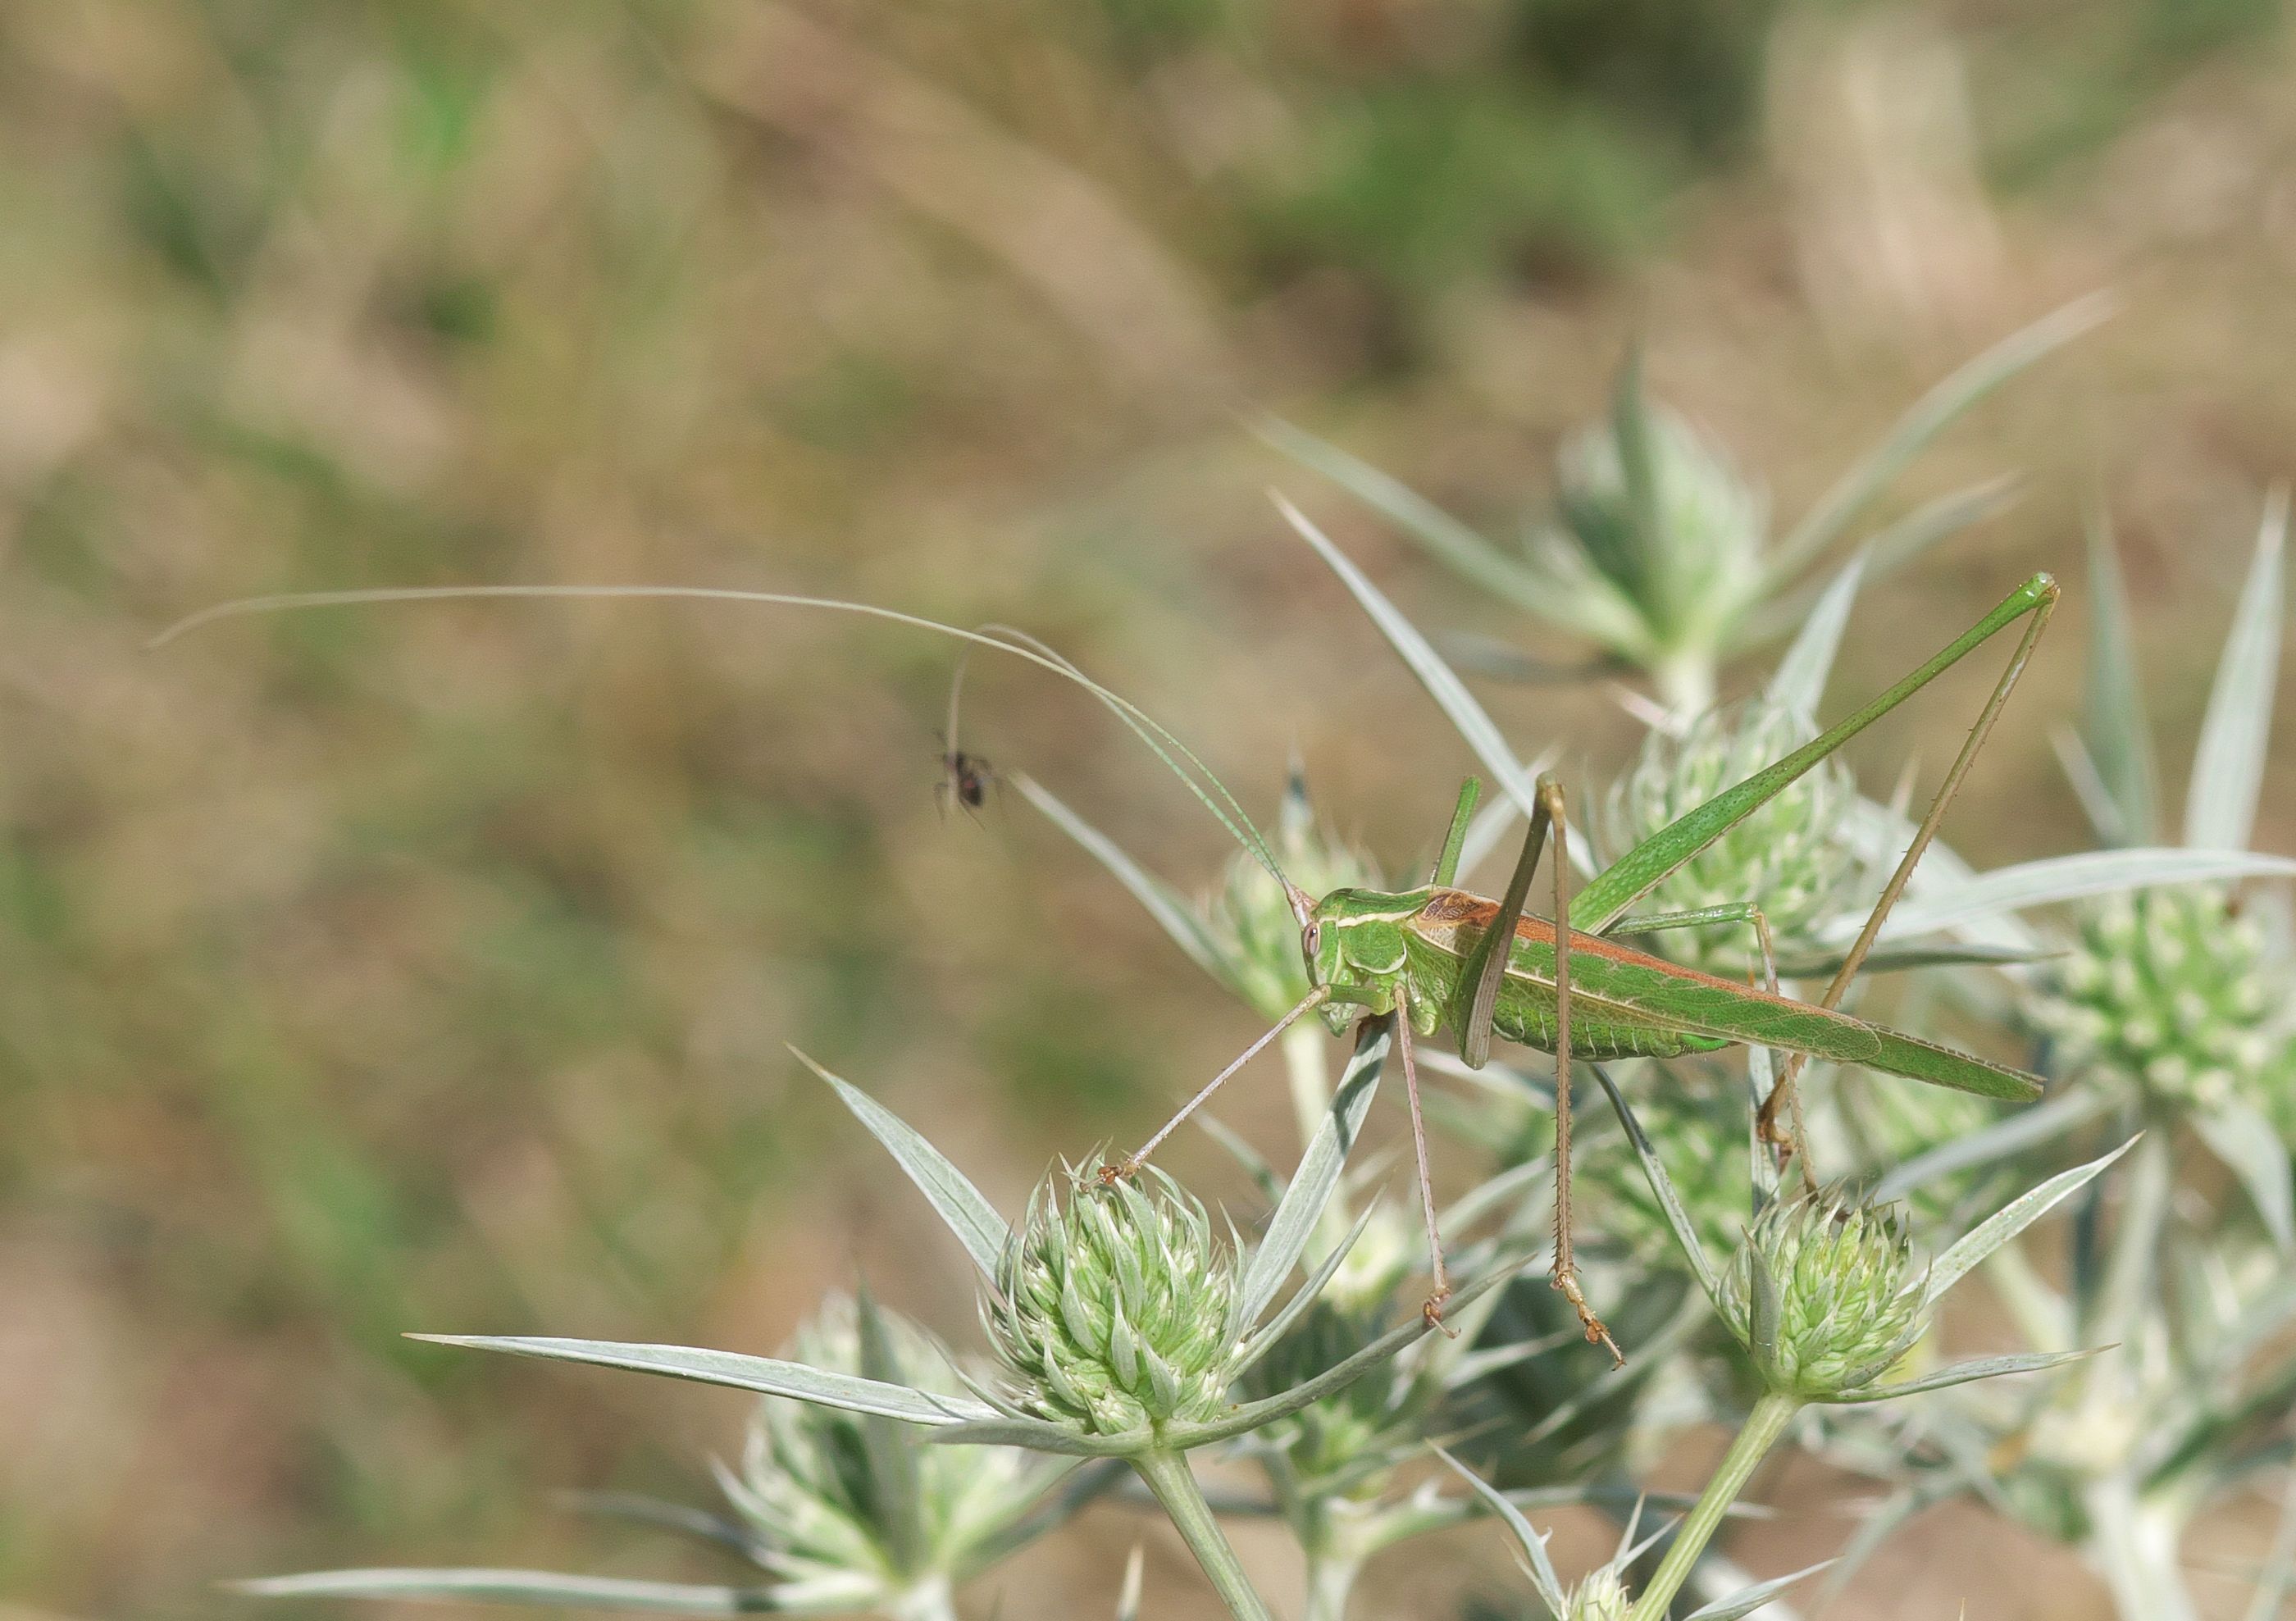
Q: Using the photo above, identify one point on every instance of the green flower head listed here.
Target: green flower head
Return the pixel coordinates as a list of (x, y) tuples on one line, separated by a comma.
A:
[(832, 1512), (1821, 1294), (2176, 996), (1117, 1305)]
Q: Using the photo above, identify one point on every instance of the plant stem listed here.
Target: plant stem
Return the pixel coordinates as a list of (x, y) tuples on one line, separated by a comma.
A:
[(1167, 1476), (1760, 1432), (1330, 1579), (928, 1600), (1685, 683), (2134, 1545)]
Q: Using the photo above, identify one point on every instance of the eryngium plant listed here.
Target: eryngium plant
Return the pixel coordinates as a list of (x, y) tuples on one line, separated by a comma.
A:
[(2176, 996), (1821, 1296), (1116, 1304), (1660, 552)]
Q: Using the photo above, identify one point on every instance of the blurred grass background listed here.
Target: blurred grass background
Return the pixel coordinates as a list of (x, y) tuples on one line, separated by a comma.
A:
[(431, 968)]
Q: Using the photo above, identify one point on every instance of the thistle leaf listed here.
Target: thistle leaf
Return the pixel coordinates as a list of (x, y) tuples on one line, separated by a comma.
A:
[(538, 1587), (766, 1374), (2067, 878), (958, 1203), (1928, 417), (2237, 1133), (1963, 1373), (1541, 1568), (1685, 1233), (2118, 736), (1296, 1214), (1254, 1415), (1173, 914), (2228, 768), (1799, 682), (1441, 535), (1746, 1601), (2006, 1224), (2012, 1135), (1442, 684)]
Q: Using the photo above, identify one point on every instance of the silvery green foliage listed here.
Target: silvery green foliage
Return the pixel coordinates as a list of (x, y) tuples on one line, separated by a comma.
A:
[(838, 1498), (1249, 919), (2174, 996), (1703, 1134), (1794, 854), (1654, 522), (1660, 553), (1822, 1295), (1115, 1304)]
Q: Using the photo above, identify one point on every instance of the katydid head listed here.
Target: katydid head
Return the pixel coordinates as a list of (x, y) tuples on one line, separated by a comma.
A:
[(1354, 945)]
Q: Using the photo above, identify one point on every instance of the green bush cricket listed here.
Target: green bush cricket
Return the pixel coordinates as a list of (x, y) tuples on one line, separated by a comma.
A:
[(1428, 957)]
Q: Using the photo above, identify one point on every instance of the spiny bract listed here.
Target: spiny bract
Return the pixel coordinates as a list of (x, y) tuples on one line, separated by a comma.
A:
[(1116, 1306)]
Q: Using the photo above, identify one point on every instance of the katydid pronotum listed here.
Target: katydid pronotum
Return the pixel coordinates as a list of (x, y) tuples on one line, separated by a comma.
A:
[(1429, 957)]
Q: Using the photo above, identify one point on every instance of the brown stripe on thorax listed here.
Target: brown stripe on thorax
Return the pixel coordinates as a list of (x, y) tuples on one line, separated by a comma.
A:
[(1457, 909)]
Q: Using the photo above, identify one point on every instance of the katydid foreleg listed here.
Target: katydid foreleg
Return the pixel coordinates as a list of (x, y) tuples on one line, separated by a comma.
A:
[(1482, 975), (1432, 1308)]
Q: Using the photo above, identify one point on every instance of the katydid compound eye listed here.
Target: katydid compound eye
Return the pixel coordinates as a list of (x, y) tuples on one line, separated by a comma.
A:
[(1313, 940)]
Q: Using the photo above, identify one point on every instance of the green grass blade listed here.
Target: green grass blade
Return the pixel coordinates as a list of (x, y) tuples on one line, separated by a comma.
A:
[(1442, 684), (1172, 913), (1928, 416), (1294, 1221), (2119, 736), (2011, 1219), (2228, 768), (2067, 878), (538, 1587), (954, 1200), (1799, 682), (1442, 537), (1605, 900), (766, 1374)]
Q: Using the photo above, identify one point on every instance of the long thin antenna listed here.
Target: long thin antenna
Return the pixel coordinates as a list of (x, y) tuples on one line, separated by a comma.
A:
[(1160, 742)]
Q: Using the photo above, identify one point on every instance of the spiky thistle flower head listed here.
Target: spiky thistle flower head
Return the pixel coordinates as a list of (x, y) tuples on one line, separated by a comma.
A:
[(835, 1509), (2176, 995), (1794, 856), (1821, 1294), (1116, 1304), (1600, 1596), (1659, 511)]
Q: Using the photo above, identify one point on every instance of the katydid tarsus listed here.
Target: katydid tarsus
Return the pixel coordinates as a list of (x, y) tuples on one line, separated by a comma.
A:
[(1430, 957)]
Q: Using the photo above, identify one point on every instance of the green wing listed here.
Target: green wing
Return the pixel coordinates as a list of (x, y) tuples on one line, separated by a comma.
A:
[(1626, 985)]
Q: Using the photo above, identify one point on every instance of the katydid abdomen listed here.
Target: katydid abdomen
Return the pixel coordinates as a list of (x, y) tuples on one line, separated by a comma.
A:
[(1629, 1003)]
